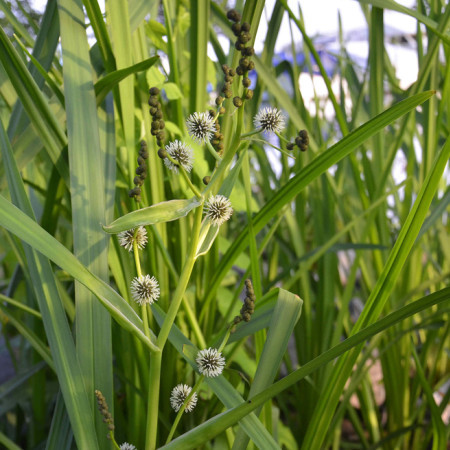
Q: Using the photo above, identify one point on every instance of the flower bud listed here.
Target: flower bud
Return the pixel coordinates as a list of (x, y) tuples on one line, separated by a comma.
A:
[(237, 101)]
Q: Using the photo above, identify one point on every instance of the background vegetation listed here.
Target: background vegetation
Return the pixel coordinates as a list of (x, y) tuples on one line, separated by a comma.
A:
[(348, 346)]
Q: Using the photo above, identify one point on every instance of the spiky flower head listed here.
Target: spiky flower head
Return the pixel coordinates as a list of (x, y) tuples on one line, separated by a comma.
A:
[(127, 446), (181, 153), (179, 394), (201, 126), (145, 289), (270, 120), (210, 362), (127, 238), (218, 209)]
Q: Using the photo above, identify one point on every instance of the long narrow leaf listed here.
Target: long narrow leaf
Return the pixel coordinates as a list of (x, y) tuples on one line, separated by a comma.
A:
[(54, 317), (374, 305)]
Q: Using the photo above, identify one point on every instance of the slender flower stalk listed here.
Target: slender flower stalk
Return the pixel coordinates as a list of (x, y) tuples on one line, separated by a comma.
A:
[(156, 357), (189, 183), (213, 151)]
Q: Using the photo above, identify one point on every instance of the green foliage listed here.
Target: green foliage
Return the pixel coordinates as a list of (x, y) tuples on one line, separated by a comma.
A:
[(349, 267)]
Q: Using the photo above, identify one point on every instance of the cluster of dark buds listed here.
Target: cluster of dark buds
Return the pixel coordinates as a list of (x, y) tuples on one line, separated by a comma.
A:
[(242, 33), (158, 124), (141, 173), (301, 141), (227, 91), (217, 137), (248, 307), (104, 411), (229, 74)]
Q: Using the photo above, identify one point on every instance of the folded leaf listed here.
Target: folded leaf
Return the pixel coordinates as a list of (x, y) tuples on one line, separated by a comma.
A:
[(161, 212)]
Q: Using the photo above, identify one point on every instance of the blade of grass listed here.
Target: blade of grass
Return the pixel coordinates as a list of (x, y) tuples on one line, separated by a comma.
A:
[(8, 443), (333, 388), (40, 347), (161, 212), (108, 82), (43, 72), (439, 429), (87, 189), (199, 33), (427, 21), (35, 104), (44, 51), (19, 305), (285, 317), (121, 36), (56, 326), (60, 435)]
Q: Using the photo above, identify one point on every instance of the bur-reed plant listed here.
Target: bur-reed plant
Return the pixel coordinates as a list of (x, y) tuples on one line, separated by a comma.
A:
[(146, 182)]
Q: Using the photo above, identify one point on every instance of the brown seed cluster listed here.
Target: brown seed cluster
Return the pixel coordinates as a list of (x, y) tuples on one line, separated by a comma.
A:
[(141, 173), (158, 124), (104, 411), (301, 141), (217, 139), (242, 32), (249, 304)]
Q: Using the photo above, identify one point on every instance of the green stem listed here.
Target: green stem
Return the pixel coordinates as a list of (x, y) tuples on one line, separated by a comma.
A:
[(251, 133), (225, 338), (165, 254), (171, 53), (213, 151), (189, 182), (145, 320), (228, 155), (153, 400), (183, 281), (115, 444), (155, 357), (282, 138), (194, 323), (136, 256)]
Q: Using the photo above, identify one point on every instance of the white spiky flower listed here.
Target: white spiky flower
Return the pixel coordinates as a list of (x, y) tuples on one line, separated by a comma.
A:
[(182, 154), (127, 238), (179, 394), (201, 126), (218, 209), (127, 446), (145, 289), (210, 362), (271, 120)]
